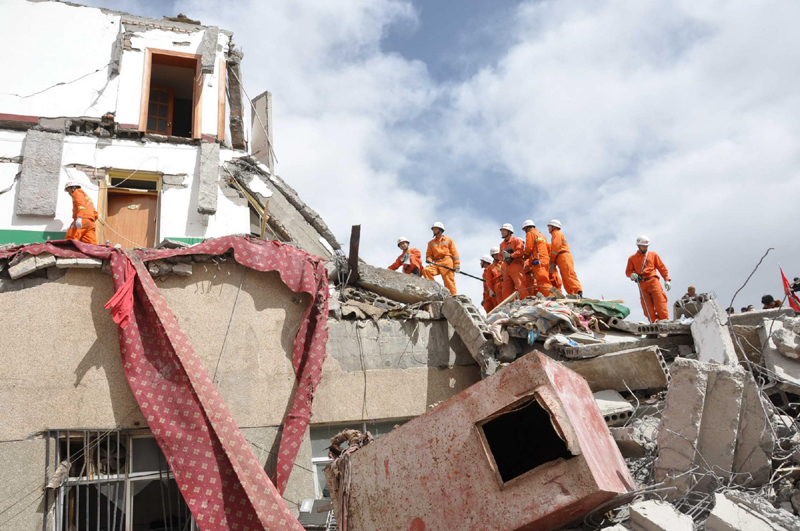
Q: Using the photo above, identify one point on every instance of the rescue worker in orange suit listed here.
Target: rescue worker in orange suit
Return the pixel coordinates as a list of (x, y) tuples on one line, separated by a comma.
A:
[(537, 260), (512, 249), (499, 266), (410, 259), (443, 258), (643, 268), (555, 278), (489, 281), (83, 215), (561, 257)]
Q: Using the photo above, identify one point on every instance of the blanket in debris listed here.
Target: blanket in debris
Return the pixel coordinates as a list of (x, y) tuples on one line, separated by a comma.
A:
[(609, 309), (205, 449)]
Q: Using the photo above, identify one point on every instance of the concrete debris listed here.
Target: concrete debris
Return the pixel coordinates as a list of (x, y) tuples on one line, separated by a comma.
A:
[(472, 329), (398, 286), (714, 430), (85, 263), (655, 515), (734, 511), (166, 243), (689, 306), (746, 342), (615, 409), (712, 337), (787, 342), (592, 351), (628, 370), (756, 317), (30, 263), (208, 187), (236, 100), (664, 327), (37, 192), (783, 371), (209, 47), (638, 439)]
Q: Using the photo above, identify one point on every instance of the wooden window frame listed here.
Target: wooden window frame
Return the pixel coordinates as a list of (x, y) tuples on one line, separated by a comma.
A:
[(105, 186), (197, 89), (223, 81)]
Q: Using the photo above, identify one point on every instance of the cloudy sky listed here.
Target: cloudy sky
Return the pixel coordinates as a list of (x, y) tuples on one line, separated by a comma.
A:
[(675, 119)]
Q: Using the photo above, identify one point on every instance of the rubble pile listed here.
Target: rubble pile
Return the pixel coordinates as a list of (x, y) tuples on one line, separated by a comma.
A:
[(703, 409)]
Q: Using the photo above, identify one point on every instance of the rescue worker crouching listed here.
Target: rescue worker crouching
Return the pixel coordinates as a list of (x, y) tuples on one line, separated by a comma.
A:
[(410, 259), (512, 249), (443, 258), (84, 215), (643, 268), (537, 260), (561, 256), (489, 282)]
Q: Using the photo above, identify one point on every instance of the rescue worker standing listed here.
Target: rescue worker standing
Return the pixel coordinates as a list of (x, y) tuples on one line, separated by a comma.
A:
[(643, 268), (512, 249), (84, 215), (410, 259), (561, 257), (498, 266), (489, 281), (537, 259), (443, 258)]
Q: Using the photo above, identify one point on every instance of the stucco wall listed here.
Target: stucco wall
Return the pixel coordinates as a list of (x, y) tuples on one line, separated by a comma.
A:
[(73, 45), (62, 367), (179, 216)]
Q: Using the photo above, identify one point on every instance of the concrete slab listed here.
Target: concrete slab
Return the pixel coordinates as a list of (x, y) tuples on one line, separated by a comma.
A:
[(625, 342), (38, 188), (712, 338), (473, 331), (680, 426), (86, 263), (470, 473), (615, 409), (755, 441), (208, 188), (757, 317), (399, 286), (30, 263), (730, 514), (634, 369), (654, 515), (209, 47)]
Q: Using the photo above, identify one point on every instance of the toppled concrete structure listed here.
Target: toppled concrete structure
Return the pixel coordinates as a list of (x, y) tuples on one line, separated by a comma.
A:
[(711, 335), (627, 370), (654, 515), (466, 320), (714, 430), (398, 286), (530, 439), (734, 511)]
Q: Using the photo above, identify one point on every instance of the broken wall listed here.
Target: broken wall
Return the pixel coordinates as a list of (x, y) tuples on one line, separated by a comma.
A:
[(87, 56), (181, 165)]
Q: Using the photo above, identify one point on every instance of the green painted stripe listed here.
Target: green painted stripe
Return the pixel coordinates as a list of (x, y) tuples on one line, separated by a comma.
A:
[(29, 236), (190, 241)]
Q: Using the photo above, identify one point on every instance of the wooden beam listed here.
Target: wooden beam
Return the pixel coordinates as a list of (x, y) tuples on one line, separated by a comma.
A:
[(352, 260)]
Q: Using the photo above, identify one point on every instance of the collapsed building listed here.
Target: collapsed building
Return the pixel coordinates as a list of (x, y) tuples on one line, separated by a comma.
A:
[(220, 363)]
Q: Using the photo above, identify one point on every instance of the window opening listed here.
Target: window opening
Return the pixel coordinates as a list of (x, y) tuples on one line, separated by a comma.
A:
[(522, 438), (115, 480), (173, 87), (321, 440)]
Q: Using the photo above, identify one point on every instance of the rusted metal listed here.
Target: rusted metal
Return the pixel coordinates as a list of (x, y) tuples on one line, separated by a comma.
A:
[(352, 259), (452, 469)]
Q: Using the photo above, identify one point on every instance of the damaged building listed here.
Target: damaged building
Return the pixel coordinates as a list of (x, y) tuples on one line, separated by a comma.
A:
[(219, 362)]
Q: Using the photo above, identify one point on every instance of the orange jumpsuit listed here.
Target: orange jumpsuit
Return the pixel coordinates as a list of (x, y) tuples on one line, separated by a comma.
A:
[(414, 264), (497, 286), (561, 257), (514, 272), (490, 277), (555, 278), (82, 207), (442, 251), (654, 300), (538, 278)]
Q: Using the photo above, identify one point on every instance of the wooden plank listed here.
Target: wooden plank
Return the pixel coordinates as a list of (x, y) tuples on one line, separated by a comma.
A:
[(145, 99), (221, 112), (355, 240)]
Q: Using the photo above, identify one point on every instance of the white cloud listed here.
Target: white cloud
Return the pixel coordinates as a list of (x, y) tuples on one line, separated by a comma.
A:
[(678, 119)]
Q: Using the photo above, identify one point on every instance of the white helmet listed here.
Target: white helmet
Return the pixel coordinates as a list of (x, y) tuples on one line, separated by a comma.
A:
[(486, 258), (402, 239), (642, 240), (554, 223), (528, 223), (70, 184), (494, 250), (507, 227), (438, 225)]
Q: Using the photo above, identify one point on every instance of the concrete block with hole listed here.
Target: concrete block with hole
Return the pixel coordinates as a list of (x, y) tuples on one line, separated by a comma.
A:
[(642, 368), (616, 410), (526, 448)]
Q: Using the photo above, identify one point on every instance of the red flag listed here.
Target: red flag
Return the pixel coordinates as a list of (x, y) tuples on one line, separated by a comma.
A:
[(794, 302)]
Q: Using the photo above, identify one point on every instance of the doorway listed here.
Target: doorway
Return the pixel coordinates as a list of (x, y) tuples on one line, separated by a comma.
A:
[(131, 206)]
